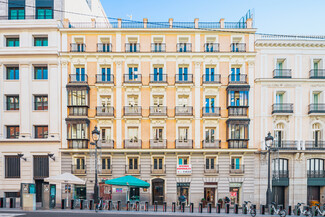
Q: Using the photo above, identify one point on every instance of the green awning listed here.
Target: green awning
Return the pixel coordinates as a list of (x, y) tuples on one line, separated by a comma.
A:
[(128, 181)]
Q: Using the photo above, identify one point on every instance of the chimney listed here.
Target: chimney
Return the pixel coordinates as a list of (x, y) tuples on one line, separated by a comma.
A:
[(196, 23), (222, 23), (119, 23), (171, 23), (93, 23), (249, 23), (66, 23), (145, 22)]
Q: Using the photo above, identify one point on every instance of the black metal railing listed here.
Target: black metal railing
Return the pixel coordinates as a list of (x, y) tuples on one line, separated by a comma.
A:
[(134, 169), (211, 47), (104, 47), (211, 111), (316, 108), (77, 47), (132, 111), (105, 111), (158, 47), (238, 47), (132, 78), (158, 169), (132, 47), (211, 79), (79, 169), (282, 108), (315, 174), (78, 143), (183, 78), (211, 170), (158, 143), (237, 110), (317, 73), (237, 79), (158, 110), (315, 145), (237, 143), (107, 144), (158, 78), (280, 174), (184, 47), (106, 171), (282, 73), (78, 110), (107, 79), (183, 110), (184, 143), (211, 143), (75, 78), (133, 143), (237, 169), (285, 144)]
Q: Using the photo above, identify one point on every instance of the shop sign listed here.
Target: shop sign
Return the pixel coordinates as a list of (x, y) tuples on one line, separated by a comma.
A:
[(184, 169), (183, 184), (235, 185)]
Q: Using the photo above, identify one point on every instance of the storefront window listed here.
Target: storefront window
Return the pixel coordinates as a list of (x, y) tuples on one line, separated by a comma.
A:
[(234, 190), (134, 193), (80, 192), (183, 192)]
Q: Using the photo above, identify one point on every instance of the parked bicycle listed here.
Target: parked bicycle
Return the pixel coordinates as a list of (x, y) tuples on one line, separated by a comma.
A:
[(299, 208), (280, 212), (250, 209), (318, 211)]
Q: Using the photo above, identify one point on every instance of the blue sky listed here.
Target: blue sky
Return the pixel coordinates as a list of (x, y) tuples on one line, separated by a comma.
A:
[(305, 17)]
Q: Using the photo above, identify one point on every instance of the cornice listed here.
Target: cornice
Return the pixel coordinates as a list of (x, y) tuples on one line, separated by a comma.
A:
[(289, 43)]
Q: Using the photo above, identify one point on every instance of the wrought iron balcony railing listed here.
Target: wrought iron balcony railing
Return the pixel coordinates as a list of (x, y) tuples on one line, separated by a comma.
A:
[(158, 110), (132, 78), (158, 47), (105, 111), (211, 111), (211, 79), (316, 108), (75, 78), (211, 169), (315, 174), (183, 110), (237, 143), (158, 143), (238, 47), (107, 79), (79, 169), (133, 169), (77, 47), (280, 174), (237, 110), (104, 47), (285, 144), (211, 143), (315, 145), (317, 74), (184, 143), (237, 169), (282, 73), (211, 47), (133, 143), (132, 111), (282, 108), (237, 79), (183, 78), (158, 169), (107, 144), (78, 143), (155, 78), (78, 110), (132, 47), (184, 47)]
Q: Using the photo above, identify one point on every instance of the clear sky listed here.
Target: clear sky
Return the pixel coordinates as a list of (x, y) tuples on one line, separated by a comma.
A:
[(305, 17)]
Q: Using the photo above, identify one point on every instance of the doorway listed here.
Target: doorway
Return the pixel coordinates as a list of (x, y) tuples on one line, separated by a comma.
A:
[(183, 189), (39, 189), (158, 191), (313, 193), (279, 195), (209, 195)]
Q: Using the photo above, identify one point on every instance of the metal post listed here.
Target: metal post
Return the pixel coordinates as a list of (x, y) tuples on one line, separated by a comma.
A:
[(269, 196), (96, 178)]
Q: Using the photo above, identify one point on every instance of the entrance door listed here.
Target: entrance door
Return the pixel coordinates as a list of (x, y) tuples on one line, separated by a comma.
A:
[(39, 184), (279, 195), (209, 195), (158, 191), (313, 193)]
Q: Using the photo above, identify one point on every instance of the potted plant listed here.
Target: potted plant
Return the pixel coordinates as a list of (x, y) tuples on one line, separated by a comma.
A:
[(220, 201), (204, 202)]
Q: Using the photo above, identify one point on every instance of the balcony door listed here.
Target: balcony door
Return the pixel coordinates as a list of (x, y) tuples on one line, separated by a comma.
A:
[(315, 168), (158, 134), (80, 74), (279, 135), (158, 74), (133, 163), (106, 134), (235, 74), (133, 133), (235, 163), (133, 102), (106, 102), (106, 74), (209, 135), (133, 73), (183, 74), (183, 134), (280, 167), (80, 163), (209, 74), (209, 104)]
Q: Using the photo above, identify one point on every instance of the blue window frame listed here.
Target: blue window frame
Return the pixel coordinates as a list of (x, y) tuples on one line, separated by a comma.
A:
[(183, 74), (209, 74), (238, 98), (41, 73), (235, 74), (80, 74), (16, 13), (12, 42), (158, 74), (106, 74), (40, 41), (133, 73), (12, 73), (209, 105), (44, 13)]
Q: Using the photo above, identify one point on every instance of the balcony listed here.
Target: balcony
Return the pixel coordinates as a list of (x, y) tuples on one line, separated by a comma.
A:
[(238, 111), (280, 178), (106, 171), (132, 111), (184, 111), (104, 79), (107, 111), (211, 47), (104, 47), (211, 171), (317, 74), (184, 47), (315, 145), (132, 144), (237, 143), (132, 47), (211, 143), (183, 78), (212, 79), (211, 111), (238, 47), (78, 110), (77, 47), (237, 169), (316, 108), (315, 173), (78, 143), (158, 110), (184, 143), (282, 73), (280, 174), (107, 144), (284, 108), (156, 170), (132, 78), (78, 79), (132, 170), (237, 79), (155, 78), (286, 144), (158, 143), (79, 170), (158, 47)]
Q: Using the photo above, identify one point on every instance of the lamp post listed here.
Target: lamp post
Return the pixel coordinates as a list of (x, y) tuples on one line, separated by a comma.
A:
[(268, 144), (95, 135)]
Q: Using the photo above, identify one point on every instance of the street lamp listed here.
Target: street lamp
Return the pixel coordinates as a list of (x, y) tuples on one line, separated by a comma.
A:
[(268, 144), (95, 135)]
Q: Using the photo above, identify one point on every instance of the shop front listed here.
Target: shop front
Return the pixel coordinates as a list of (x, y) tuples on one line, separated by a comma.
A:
[(210, 192), (183, 188), (235, 193)]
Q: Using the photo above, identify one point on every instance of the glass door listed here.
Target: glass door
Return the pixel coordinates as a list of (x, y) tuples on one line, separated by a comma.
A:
[(209, 135), (158, 134), (235, 74), (158, 74), (209, 105), (183, 134)]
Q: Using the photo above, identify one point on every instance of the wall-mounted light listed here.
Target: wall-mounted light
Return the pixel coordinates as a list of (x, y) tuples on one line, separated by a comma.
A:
[(51, 156), (21, 156)]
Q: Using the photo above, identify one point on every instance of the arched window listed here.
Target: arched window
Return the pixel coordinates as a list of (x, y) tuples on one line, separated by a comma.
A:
[(278, 134), (315, 168), (280, 167)]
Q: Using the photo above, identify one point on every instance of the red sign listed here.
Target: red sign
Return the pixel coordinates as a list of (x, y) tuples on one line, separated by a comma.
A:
[(184, 169)]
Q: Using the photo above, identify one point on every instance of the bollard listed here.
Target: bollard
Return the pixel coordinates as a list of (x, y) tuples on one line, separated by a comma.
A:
[(81, 204), (137, 206), (146, 206), (244, 210), (110, 205), (218, 208), (191, 207), (262, 209), (2, 202), (102, 206), (155, 207), (236, 208), (128, 206), (289, 210), (209, 209), (200, 207), (297, 211), (173, 207), (12, 202), (313, 210), (271, 210), (165, 206), (227, 208), (62, 203), (91, 204), (182, 207), (72, 204), (280, 207)]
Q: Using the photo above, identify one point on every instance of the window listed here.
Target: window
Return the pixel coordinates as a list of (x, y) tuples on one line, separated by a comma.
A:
[(133, 73), (12, 132), (210, 74), (183, 101), (317, 132), (41, 103), (280, 167), (40, 41), (16, 13), (40, 73), (44, 13), (235, 163), (106, 74), (80, 163), (209, 135), (238, 98), (78, 98), (279, 98), (158, 163), (12, 167), (106, 134), (133, 100), (12, 41), (210, 163), (80, 74), (183, 74), (235, 74), (209, 104), (158, 47), (279, 134), (183, 160), (315, 166), (238, 131), (183, 134), (133, 134), (158, 74), (133, 163), (12, 73), (12, 103), (158, 134), (106, 163), (158, 100), (132, 47), (316, 98), (77, 131), (41, 132)]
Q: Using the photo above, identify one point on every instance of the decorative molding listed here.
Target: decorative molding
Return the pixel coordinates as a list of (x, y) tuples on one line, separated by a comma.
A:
[(158, 122), (158, 90), (132, 121), (132, 89), (105, 122), (277, 118), (211, 122), (183, 122), (105, 91)]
